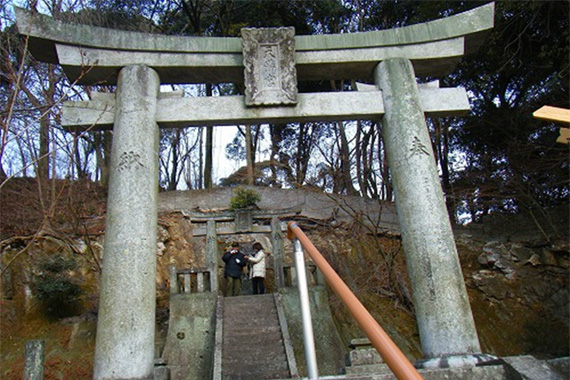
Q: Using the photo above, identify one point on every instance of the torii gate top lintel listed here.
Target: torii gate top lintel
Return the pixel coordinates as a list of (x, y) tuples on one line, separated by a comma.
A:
[(433, 47)]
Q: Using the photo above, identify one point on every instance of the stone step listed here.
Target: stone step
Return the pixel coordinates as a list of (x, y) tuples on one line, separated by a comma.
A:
[(247, 320), (335, 377), (377, 369), (561, 365), (261, 360), (252, 346), (257, 375), (249, 330), (256, 355), (246, 341), (251, 309), (263, 353), (496, 372), (255, 368), (275, 352), (522, 367), (247, 299), (530, 368), (244, 310)]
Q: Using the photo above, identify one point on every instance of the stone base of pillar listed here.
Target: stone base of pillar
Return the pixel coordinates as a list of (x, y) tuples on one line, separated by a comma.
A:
[(161, 373), (455, 361), (161, 370)]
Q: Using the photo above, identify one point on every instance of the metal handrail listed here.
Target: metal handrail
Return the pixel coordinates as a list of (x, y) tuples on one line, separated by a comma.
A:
[(309, 338), (392, 355)]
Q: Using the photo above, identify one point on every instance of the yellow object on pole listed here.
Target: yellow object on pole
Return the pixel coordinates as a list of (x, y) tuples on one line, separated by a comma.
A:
[(556, 114), (553, 114), (564, 137), (392, 355)]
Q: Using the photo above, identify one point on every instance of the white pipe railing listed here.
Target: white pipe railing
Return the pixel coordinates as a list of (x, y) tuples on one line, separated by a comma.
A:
[(392, 355), (309, 339)]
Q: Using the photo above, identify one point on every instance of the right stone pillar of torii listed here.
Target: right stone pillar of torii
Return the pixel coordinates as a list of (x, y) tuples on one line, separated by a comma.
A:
[(445, 322)]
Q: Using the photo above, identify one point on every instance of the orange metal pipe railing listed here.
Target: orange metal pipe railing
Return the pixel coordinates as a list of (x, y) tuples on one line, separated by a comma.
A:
[(393, 357)]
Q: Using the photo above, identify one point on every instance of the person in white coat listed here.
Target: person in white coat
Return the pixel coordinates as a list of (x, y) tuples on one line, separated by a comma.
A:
[(258, 269)]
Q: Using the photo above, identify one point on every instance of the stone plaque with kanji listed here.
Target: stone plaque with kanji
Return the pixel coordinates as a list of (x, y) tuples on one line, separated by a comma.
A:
[(269, 60)]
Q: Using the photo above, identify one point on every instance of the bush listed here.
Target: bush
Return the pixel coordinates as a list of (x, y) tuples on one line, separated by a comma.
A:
[(55, 289), (244, 198), (58, 264)]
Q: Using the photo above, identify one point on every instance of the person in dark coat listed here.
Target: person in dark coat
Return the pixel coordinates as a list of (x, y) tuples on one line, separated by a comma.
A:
[(235, 261)]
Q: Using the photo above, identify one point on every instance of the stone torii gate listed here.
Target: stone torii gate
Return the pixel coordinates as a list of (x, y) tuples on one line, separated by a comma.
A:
[(273, 60)]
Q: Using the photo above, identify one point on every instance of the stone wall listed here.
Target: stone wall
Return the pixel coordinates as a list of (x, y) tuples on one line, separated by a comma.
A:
[(306, 203)]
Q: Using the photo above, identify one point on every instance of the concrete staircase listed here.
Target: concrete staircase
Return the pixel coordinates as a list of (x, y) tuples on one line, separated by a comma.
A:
[(258, 337), (253, 347)]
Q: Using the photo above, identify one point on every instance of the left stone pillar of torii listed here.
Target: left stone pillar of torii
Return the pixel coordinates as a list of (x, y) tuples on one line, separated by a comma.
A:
[(126, 322)]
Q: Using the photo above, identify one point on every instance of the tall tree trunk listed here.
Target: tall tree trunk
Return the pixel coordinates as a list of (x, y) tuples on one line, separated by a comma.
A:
[(106, 167), (276, 132), (75, 156), (442, 138), (305, 145), (23, 157), (200, 183), (360, 161), (208, 167), (373, 177), (344, 151), (175, 147), (249, 155), (386, 193), (367, 153), (345, 166), (43, 156), (103, 141), (301, 140), (42, 159)]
